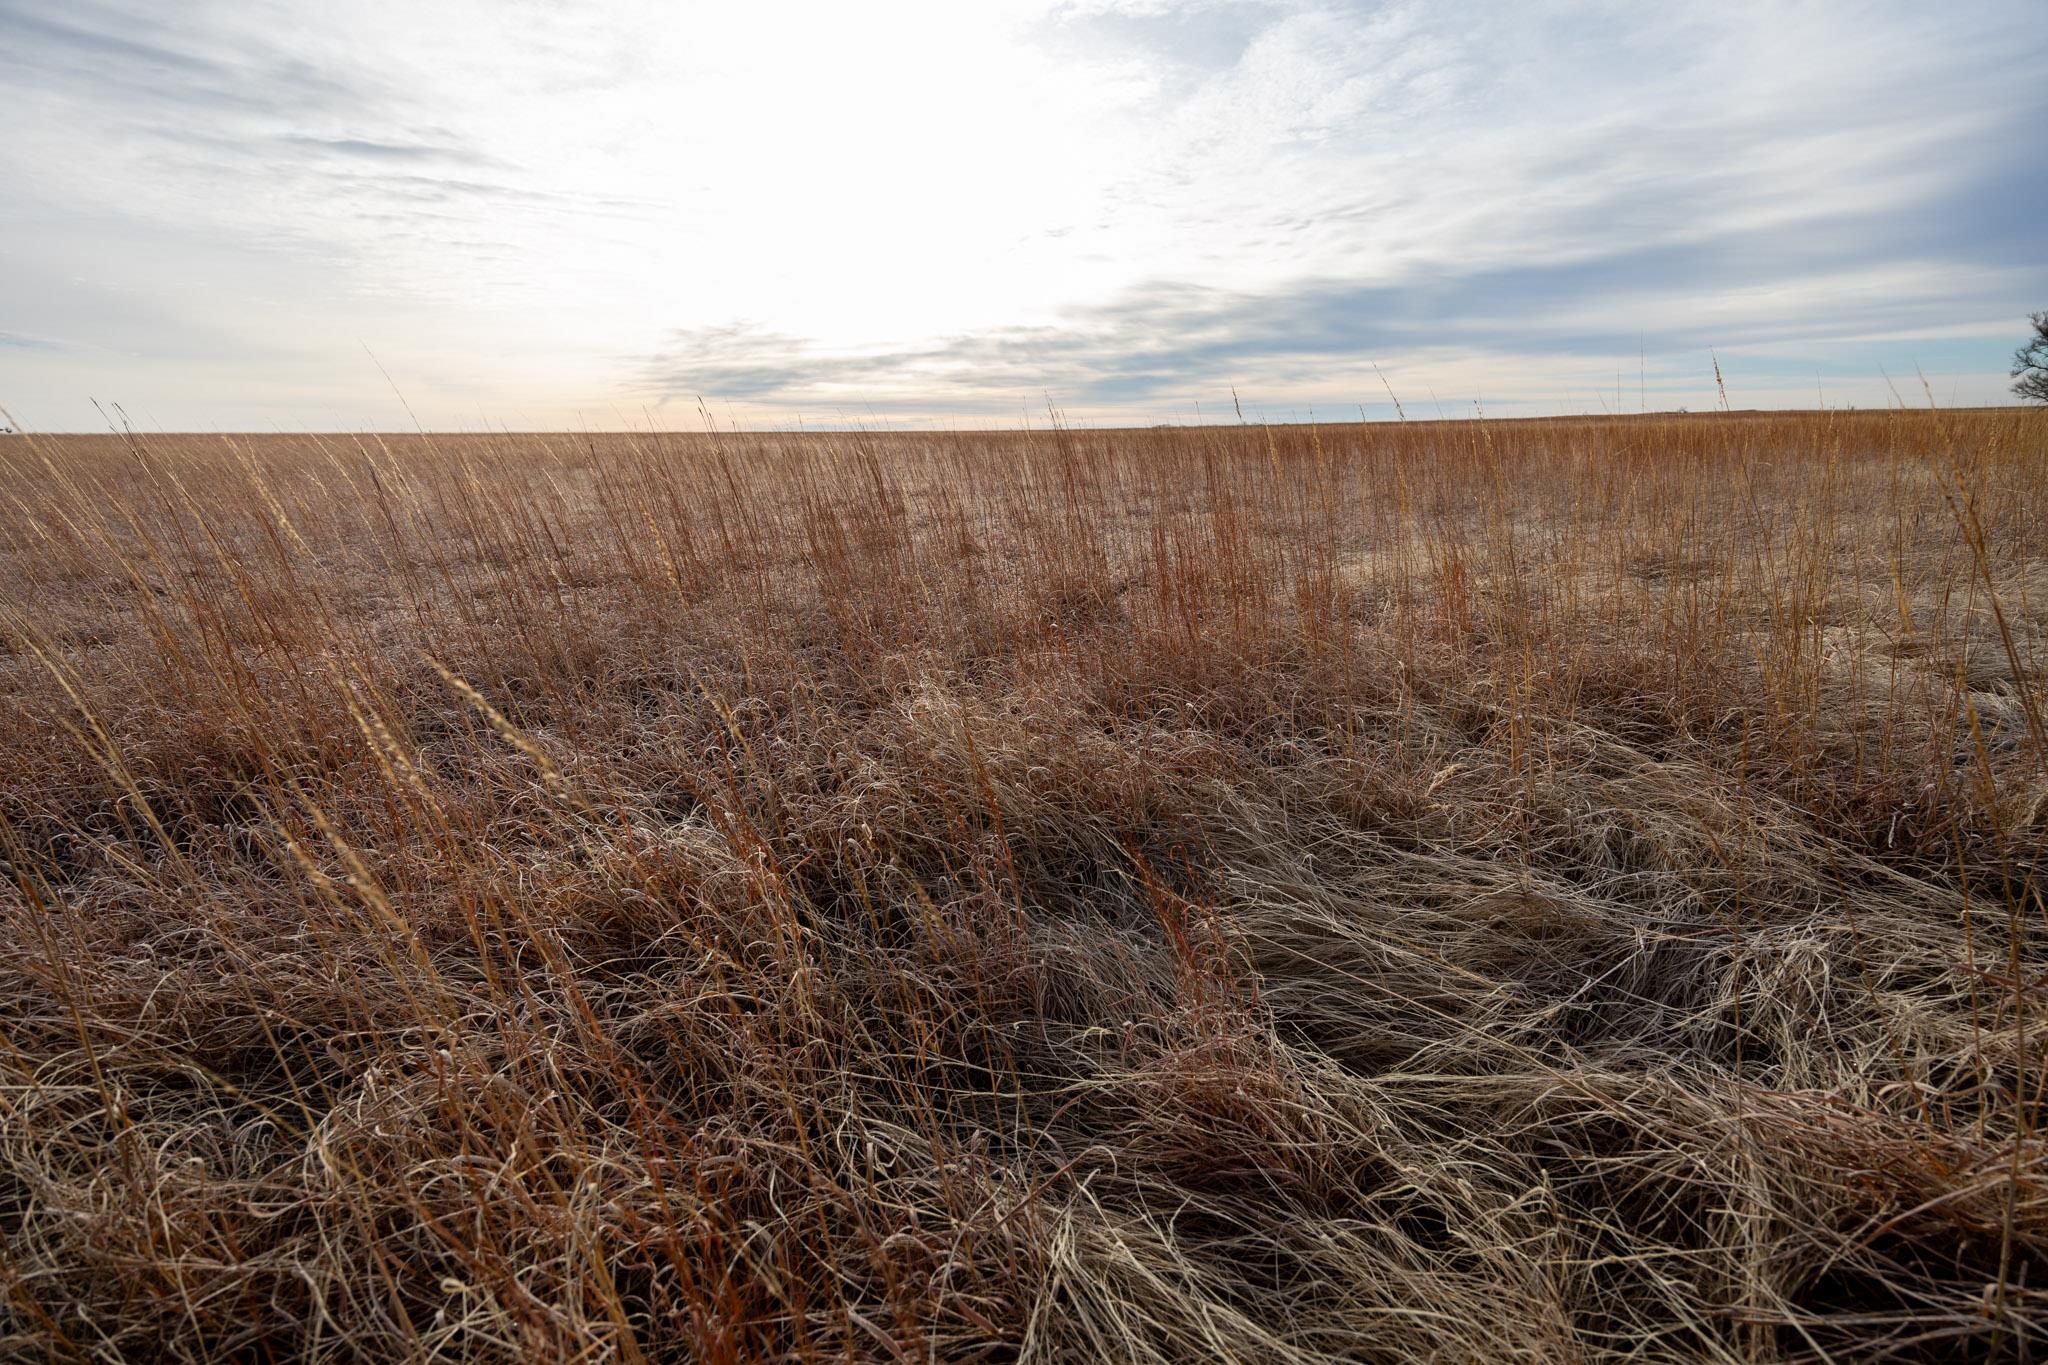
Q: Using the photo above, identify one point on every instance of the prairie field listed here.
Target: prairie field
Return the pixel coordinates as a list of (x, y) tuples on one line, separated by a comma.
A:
[(1550, 890)]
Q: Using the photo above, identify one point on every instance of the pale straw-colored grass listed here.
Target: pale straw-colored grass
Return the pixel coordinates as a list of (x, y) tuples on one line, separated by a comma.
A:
[(1464, 891)]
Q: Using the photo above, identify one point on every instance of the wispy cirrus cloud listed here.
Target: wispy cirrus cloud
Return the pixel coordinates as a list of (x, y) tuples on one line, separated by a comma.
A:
[(17, 341), (360, 147)]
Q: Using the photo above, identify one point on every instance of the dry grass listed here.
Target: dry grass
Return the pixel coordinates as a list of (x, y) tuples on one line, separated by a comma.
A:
[(1554, 890)]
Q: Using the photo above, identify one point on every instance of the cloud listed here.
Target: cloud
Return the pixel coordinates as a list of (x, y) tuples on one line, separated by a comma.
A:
[(127, 54), (53, 41), (1755, 290), (381, 151), (1550, 191)]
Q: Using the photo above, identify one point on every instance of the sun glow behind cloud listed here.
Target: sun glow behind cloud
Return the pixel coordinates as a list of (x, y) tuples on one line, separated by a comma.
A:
[(540, 214)]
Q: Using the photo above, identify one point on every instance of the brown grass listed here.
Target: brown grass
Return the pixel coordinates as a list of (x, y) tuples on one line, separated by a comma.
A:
[(1478, 891)]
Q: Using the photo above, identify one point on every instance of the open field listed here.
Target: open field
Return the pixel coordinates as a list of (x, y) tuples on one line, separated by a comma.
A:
[(1467, 891)]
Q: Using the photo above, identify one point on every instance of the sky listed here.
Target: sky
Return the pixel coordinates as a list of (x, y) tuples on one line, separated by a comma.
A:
[(292, 214)]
